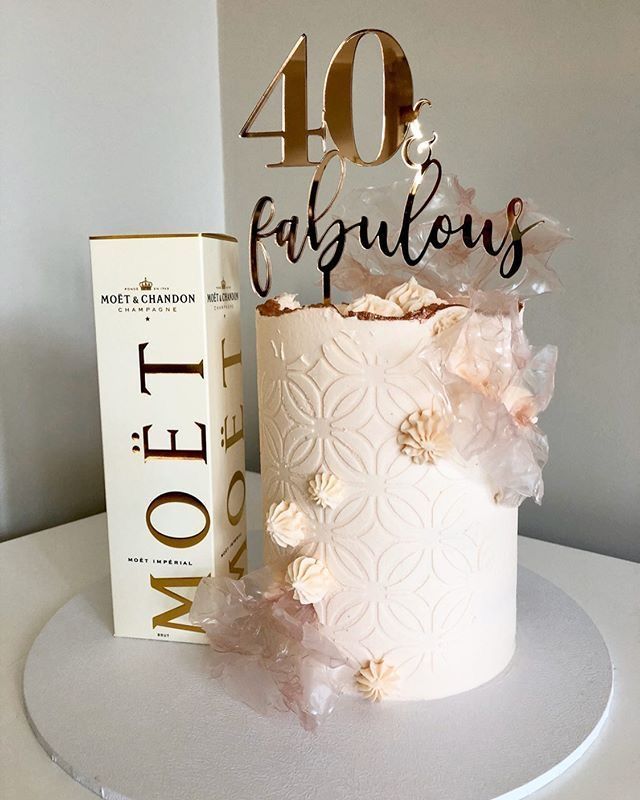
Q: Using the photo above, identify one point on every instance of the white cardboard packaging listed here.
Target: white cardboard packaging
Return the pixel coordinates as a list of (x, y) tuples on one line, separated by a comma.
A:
[(167, 318)]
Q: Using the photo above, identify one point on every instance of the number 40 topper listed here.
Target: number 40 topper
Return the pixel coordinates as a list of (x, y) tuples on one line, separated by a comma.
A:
[(337, 115), (399, 112)]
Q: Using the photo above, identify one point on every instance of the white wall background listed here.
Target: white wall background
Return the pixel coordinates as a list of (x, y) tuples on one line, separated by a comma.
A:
[(534, 98), (109, 123)]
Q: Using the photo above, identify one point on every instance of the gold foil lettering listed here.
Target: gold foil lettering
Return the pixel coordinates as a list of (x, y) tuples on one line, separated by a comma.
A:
[(190, 500), (164, 369), (234, 569), (237, 435), (173, 451), (165, 620), (229, 361), (234, 518)]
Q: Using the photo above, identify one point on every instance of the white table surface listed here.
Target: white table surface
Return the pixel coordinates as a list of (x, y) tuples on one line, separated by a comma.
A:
[(40, 572)]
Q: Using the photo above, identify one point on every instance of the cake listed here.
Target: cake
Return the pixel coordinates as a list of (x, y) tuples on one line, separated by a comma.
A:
[(398, 437), (415, 556)]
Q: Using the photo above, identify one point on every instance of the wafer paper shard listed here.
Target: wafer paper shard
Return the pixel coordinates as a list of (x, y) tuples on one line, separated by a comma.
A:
[(494, 385), (267, 648)]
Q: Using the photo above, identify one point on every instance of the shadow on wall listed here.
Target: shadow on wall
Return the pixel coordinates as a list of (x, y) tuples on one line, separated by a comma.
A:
[(51, 380)]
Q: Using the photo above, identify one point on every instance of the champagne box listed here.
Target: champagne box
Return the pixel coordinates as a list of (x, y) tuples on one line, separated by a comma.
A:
[(167, 316)]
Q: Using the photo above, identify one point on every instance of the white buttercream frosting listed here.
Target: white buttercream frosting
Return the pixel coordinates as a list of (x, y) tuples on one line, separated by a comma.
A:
[(286, 524), (424, 436), (309, 579), (372, 304), (399, 526), (325, 489), (376, 680), (411, 296), (287, 301)]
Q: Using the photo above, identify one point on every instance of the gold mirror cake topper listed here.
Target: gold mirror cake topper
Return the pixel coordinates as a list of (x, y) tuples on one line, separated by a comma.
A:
[(400, 131)]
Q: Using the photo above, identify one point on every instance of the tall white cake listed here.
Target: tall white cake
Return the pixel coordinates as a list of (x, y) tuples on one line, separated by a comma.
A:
[(419, 558)]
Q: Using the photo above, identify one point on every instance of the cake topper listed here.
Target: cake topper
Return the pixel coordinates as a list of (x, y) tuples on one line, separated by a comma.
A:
[(499, 236)]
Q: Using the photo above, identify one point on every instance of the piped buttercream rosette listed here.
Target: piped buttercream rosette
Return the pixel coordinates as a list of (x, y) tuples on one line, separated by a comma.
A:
[(411, 296), (424, 436), (372, 304), (376, 680), (309, 579), (402, 300), (287, 302), (326, 490), (287, 525)]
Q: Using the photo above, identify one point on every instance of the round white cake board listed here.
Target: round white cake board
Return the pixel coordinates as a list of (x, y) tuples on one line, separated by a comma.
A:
[(143, 720)]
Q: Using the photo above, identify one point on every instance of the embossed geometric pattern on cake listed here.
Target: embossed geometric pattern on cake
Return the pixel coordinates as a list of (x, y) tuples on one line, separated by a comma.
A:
[(423, 559)]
